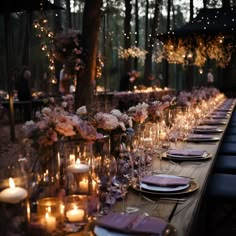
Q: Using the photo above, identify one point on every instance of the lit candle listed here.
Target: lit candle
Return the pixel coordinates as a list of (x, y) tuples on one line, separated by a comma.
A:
[(49, 222), (94, 185), (78, 167), (72, 158), (49, 205), (59, 159), (83, 185), (13, 194), (75, 215)]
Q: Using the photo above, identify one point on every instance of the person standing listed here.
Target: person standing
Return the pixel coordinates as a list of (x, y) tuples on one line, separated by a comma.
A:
[(210, 78), (24, 92), (128, 81), (64, 81)]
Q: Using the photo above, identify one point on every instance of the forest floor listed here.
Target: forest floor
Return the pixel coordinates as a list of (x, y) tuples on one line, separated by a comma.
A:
[(9, 151)]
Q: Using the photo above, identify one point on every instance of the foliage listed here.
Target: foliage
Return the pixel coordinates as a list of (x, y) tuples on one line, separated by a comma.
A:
[(69, 51)]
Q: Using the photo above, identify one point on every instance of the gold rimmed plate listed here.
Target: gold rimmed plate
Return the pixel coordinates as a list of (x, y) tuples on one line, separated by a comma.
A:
[(213, 122), (207, 131), (204, 157), (193, 186), (202, 139)]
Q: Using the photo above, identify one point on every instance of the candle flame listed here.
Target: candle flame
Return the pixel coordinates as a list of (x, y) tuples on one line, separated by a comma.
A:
[(49, 209), (11, 183), (46, 215), (62, 207)]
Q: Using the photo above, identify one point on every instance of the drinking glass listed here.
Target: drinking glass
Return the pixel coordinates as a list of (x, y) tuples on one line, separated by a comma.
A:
[(105, 169)]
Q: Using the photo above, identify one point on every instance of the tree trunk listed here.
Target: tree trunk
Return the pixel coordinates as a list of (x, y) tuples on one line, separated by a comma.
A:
[(137, 33), (68, 13), (86, 79), (154, 27), (146, 24), (166, 63), (127, 36), (191, 10), (225, 3)]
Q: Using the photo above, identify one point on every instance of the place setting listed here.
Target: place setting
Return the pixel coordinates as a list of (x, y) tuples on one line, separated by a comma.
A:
[(193, 137), (123, 224), (204, 129), (210, 121), (166, 185), (217, 116), (187, 154)]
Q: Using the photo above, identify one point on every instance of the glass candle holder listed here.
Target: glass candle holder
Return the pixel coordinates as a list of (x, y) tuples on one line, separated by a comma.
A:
[(78, 159), (50, 211), (76, 208), (14, 208)]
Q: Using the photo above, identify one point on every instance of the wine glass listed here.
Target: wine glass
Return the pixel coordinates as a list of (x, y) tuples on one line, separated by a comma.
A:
[(125, 179), (105, 169)]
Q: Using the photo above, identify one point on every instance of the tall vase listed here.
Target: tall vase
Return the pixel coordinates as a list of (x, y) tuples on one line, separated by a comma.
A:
[(48, 167), (78, 161)]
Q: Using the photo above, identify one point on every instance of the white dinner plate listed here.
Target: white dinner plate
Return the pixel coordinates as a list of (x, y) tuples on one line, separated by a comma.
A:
[(164, 189), (213, 122), (205, 154), (207, 131), (199, 139)]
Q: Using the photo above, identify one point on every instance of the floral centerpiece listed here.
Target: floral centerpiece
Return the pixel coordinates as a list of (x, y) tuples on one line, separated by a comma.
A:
[(53, 124), (139, 113), (116, 124)]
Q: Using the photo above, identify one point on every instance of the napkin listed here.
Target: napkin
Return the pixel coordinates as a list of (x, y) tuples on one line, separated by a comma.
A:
[(186, 152), (206, 127), (213, 121), (217, 116), (137, 224), (200, 136), (164, 181)]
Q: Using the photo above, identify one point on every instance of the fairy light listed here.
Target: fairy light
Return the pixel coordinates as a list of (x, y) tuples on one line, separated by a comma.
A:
[(47, 37), (100, 65), (133, 52)]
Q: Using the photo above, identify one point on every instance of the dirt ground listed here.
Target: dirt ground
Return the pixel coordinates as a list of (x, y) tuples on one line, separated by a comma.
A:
[(9, 151)]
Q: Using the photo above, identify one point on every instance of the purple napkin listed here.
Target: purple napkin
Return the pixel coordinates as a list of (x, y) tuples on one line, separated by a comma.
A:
[(213, 121), (132, 223), (164, 181), (206, 127), (186, 152), (217, 116), (200, 136)]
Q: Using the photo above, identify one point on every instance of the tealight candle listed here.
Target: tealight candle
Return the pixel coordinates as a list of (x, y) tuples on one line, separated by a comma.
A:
[(49, 222), (13, 194), (78, 167), (83, 185), (72, 158), (75, 215)]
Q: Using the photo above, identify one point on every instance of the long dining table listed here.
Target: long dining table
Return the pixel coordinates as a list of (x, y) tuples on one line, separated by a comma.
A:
[(180, 210)]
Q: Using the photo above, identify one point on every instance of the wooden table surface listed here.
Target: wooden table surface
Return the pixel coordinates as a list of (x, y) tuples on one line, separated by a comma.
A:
[(181, 215)]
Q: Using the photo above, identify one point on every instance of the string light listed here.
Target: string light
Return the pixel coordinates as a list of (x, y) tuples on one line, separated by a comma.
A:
[(47, 37), (133, 52), (99, 67)]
